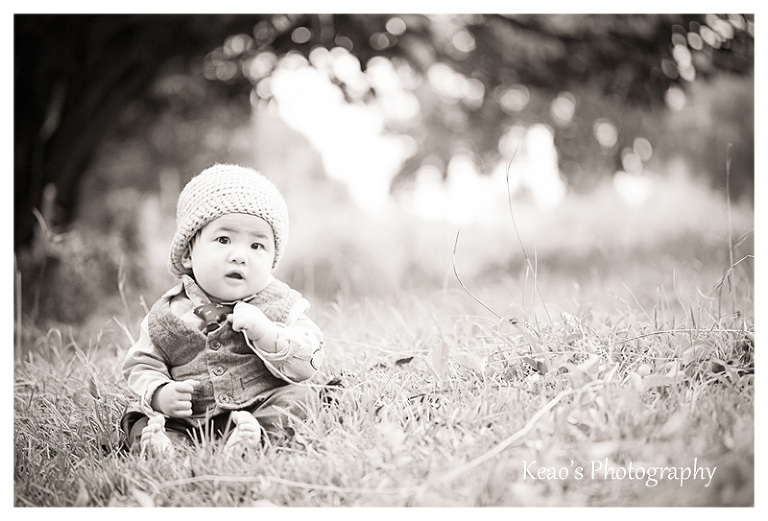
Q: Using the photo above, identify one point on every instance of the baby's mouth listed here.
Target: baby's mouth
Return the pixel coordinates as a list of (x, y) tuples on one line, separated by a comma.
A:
[(235, 275)]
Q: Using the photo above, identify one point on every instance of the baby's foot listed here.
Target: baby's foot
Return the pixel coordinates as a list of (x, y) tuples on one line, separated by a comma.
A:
[(154, 439), (247, 432)]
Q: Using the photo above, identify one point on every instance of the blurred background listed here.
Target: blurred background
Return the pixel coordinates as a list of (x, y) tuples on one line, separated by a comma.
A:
[(589, 145)]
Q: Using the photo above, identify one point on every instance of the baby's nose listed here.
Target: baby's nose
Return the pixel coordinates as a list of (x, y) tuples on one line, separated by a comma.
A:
[(237, 255)]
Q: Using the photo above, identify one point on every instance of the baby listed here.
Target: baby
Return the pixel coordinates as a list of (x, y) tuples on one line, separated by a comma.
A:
[(225, 351)]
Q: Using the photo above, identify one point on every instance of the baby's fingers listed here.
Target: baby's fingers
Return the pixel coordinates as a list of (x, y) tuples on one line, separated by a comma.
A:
[(181, 410), (184, 413), (241, 323), (187, 386)]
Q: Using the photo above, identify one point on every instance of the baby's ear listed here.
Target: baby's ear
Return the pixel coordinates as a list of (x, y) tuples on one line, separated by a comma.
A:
[(186, 259)]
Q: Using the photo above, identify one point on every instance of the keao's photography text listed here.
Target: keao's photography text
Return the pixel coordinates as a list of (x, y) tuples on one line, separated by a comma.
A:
[(605, 470)]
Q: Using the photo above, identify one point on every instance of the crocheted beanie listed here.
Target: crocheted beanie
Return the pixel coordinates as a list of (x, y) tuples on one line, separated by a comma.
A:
[(223, 189)]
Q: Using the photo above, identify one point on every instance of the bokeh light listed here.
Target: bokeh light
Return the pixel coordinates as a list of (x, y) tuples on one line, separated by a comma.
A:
[(301, 35), (643, 148), (675, 98), (631, 162), (395, 26), (514, 98), (563, 108), (605, 132), (463, 41)]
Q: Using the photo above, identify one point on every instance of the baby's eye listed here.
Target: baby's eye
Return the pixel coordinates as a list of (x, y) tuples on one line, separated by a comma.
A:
[(223, 239), (257, 245)]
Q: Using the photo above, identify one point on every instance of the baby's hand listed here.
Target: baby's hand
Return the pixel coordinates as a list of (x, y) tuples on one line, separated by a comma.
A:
[(249, 318), (175, 398), (260, 329)]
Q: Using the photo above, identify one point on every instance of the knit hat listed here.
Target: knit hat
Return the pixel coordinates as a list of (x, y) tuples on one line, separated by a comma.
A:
[(223, 189)]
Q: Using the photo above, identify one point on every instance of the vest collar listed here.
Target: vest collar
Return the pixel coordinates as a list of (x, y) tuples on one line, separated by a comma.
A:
[(200, 298)]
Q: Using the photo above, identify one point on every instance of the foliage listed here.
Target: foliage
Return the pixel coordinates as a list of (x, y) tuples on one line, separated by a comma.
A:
[(465, 69), (78, 77), (66, 278)]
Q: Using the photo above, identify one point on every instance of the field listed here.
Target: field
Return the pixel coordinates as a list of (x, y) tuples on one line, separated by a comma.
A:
[(603, 377)]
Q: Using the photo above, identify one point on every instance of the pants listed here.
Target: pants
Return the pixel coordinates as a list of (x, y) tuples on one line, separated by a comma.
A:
[(273, 411)]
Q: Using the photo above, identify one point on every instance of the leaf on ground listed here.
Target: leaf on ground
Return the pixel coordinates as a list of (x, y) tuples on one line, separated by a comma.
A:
[(636, 381), (630, 398), (116, 502), (585, 372), (439, 358), (657, 380), (391, 434), (469, 361), (264, 503), (536, 364), (572, 337), (590, 366), (93, 388), (142, 498), (374, 457), (526, 495), (82, 398), (719, 366), (675, 426), (600, 450), (581, 418), (644, 370), (403, 361), (696, 352), (83, 497)]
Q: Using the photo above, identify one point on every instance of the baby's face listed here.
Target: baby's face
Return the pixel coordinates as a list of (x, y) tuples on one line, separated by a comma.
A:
[(232, 256)]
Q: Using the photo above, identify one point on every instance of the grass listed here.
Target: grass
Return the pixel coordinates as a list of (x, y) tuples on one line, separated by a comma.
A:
[(439, 407), (445, 401)]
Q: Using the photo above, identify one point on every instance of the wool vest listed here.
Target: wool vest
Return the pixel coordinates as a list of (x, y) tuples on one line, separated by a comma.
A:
[(231, 375)]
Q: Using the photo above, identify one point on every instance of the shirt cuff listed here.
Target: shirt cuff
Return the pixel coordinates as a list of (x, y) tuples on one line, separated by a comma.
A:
[(146, 400)]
